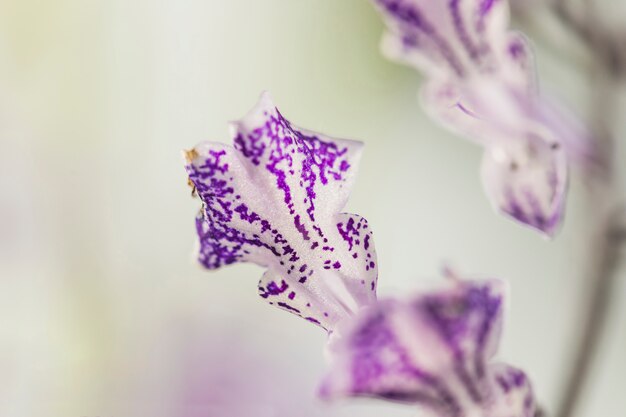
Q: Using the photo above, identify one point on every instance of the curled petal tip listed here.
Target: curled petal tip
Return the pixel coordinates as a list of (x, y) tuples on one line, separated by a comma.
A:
[(548, 228), (527, 181), (256, 116), (265, 99)]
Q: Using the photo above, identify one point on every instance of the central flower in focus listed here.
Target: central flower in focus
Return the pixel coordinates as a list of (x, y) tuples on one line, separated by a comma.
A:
[(275, 199)]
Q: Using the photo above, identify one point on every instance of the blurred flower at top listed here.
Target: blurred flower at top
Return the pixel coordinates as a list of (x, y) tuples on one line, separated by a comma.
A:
[(274, 199), (433, 350), (481, 84)]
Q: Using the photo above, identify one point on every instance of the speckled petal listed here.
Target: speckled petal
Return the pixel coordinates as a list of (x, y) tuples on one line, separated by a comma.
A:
[(274, 199), (432, 350), (527, 181)]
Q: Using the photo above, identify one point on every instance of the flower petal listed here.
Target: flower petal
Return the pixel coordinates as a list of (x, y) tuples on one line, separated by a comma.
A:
[(513, 392), (525, 164), (432, 350), (482, 85), (447, 103), (517, 63), (442, 38), (485, 111), (274, 200), (527, 181)]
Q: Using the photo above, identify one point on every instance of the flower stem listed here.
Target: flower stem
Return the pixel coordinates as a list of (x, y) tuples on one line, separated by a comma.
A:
[(601, 274), (603, 199)]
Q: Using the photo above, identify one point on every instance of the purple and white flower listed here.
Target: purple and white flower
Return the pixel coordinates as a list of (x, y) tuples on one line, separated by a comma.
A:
[(275, 199), (482, 85), (433, 350)]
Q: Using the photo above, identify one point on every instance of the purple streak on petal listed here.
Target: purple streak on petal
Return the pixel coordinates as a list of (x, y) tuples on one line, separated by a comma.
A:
[(528, 183), (466, 110), (486, 6), (461, 31), (407, 13)]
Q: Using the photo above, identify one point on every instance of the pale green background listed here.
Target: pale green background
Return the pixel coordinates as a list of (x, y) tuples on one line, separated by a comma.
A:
[(102, 311)]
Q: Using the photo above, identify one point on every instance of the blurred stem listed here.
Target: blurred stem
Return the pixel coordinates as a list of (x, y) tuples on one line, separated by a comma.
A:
[(604, 42), (603, 198), (600, 277), (573, 19)]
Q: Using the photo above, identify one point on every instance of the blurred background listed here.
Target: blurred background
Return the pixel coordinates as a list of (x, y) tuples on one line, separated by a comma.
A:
[(103, 312)]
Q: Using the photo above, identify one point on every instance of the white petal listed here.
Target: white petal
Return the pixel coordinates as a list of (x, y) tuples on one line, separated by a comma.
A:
[(275, 200), (527, 181)]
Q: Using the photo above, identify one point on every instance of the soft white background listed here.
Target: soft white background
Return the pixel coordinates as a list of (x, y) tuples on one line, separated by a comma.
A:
[(102, 311)]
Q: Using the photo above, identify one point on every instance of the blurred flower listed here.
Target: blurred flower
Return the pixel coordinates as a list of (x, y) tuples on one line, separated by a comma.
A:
[(433, 350), (481, 84), (274, 199)]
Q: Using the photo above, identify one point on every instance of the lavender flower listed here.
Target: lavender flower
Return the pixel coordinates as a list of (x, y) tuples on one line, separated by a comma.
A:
[(433, 350), (274, 199), (481, 84)]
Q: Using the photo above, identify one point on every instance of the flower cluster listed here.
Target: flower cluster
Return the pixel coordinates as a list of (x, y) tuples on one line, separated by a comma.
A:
[(275, 199)]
